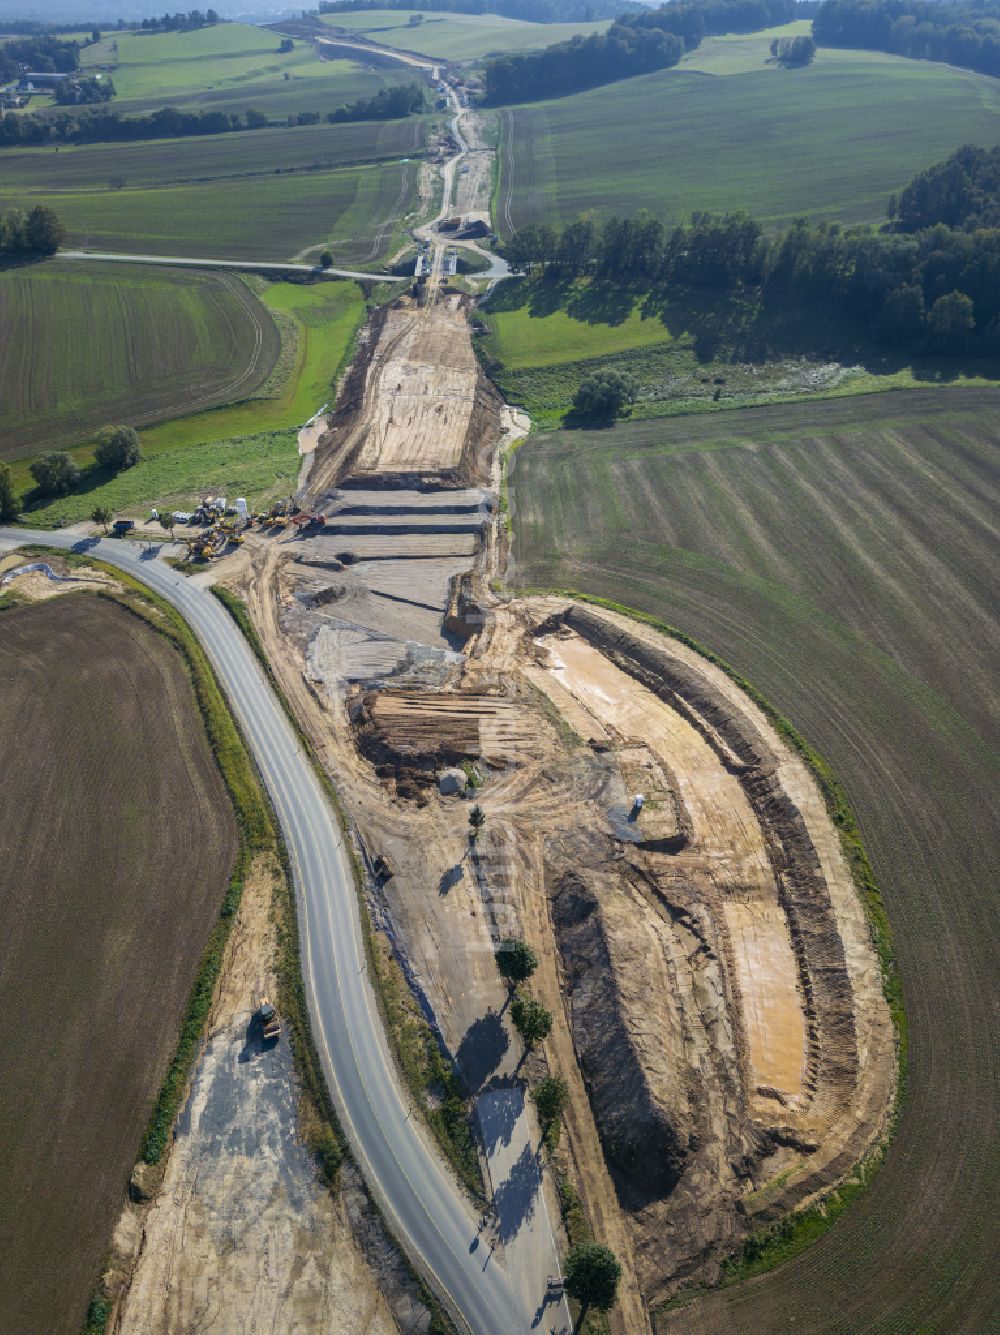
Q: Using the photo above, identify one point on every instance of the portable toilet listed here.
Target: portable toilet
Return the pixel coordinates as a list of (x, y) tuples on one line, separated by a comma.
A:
[(241, 508)]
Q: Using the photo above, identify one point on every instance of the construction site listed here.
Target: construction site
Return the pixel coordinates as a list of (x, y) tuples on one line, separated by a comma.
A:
[(718, 1008), (717, 1004)]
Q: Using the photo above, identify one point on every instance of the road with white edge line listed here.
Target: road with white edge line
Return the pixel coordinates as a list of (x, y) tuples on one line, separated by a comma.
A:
[(423, 1206)]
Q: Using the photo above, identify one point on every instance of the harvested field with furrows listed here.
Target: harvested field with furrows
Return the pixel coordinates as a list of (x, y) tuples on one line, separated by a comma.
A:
[(90, 344), (116, 845), (841, 555)]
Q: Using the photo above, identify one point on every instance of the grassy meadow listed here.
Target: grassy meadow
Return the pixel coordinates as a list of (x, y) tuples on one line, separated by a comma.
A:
[(830, 141), (248, 448), (268, 217), (689, 353), (841, 556), (229, 67), (204, 158), (87, 344), (458, 37)]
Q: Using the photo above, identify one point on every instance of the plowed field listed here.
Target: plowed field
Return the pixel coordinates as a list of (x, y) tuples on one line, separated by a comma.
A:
[(85, 345), (842, 555), (115, 846)]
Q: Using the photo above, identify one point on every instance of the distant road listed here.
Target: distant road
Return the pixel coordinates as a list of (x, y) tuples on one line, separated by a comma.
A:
[(423, 1206), (187, 262)]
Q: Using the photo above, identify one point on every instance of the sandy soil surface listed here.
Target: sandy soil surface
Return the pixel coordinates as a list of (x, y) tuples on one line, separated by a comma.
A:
[(36, 585), (242, 1236), (731, 850), (419, 390)]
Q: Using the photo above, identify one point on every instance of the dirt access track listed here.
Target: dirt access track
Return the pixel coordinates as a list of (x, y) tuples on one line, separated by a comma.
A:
[(115, 848), (718, 1011)]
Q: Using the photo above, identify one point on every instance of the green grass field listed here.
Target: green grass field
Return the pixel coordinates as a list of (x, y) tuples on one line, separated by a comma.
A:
[(247, 448), (229, 68), (458, 36), (842, 557), (211, 157), (546, 335), (260, 467), (832, 140), (741, 53), (88, 344), (272, 217)]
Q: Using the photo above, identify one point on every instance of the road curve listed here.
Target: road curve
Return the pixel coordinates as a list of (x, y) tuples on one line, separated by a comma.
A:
[(424, 1208), (187, 262)]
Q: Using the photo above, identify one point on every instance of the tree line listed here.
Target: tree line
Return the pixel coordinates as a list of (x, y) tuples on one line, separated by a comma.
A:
[(171, 123), (532, 11), (937, 291), (963, 192), (635, 44), (961, 32), (41, 54), (39, 232), (181, 22), (793, 51)]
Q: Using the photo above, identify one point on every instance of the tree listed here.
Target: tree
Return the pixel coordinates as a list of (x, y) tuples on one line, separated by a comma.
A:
[(950, 322), (102, 515), (477, 819), (326, 259), (95, 36), (117, 448), (9, 507), (55, 474), (43, 231), (901, 322), (531, 1020), (515, 960), (285, 45), (604, 394), (256, 119), (550, 1097), (592, 1273), (167, 520)]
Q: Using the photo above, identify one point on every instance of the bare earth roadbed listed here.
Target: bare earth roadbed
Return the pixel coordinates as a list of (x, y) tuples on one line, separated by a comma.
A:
[(115, 848)]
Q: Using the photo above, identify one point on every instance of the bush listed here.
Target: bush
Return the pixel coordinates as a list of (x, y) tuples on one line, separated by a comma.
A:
[(592, 1275), (603, 395), (117, 448), (9, 507), (55, 474)]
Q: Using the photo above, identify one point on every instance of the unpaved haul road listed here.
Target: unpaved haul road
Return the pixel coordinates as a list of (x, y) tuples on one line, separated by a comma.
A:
[(424, 1208)]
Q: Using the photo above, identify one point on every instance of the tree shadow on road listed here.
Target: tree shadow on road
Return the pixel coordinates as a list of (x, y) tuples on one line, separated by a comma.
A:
[(497, 1113), (514, 1199), (481, 1050)]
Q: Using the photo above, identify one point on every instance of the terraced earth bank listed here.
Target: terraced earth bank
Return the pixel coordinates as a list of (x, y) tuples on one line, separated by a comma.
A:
[(718, 1003)]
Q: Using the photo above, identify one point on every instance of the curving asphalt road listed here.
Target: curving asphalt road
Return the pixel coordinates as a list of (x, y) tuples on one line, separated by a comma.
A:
[(423, 1206)]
